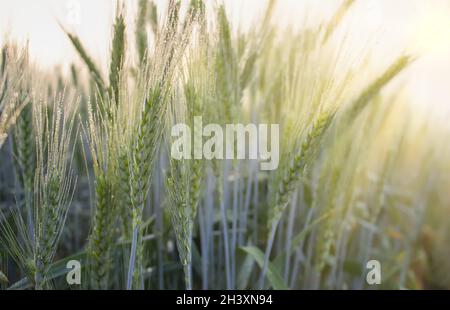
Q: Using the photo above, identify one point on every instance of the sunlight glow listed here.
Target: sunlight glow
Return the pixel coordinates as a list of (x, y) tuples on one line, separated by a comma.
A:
[(423, 25)]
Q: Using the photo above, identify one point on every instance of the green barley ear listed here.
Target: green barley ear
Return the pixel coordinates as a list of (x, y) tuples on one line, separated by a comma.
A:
[(296, 168), (25, 154), (369, 93), (24, 141), (102, 148), (179, 190), (93, 70), (151, 125), (124, 190), (16, 229), (225, 31), (337, 19), (100, 240), (172, 43), (54, 183), (226, 51), (14, 65), (263, 35), (117, 54), (197, 173), (288, 182), (141, 31), (153, 17), (148, 137), (182, 222), (185, 177), (291, 177), (227, 75)]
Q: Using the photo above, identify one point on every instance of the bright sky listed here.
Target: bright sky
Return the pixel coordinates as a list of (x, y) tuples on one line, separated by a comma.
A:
[(421, 25)]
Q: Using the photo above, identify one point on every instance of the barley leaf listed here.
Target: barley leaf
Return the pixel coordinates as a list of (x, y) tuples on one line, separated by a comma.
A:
[(273, 275)]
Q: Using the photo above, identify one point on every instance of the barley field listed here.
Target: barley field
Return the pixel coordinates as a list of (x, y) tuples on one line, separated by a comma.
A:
[(92, 196)]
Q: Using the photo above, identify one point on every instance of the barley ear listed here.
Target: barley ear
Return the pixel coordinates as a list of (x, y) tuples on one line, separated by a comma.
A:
[(153, 17), (55, 184), (369, 93), (141, 31), (95, 73), (117, 55), (295, 170)]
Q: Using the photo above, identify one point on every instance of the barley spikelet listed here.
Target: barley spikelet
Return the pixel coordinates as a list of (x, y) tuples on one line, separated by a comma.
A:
[(124, 192), (24, 146), (117, 55), (100, 239)]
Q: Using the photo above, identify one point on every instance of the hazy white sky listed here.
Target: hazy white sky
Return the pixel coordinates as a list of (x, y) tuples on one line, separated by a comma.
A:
[(421, 25)]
